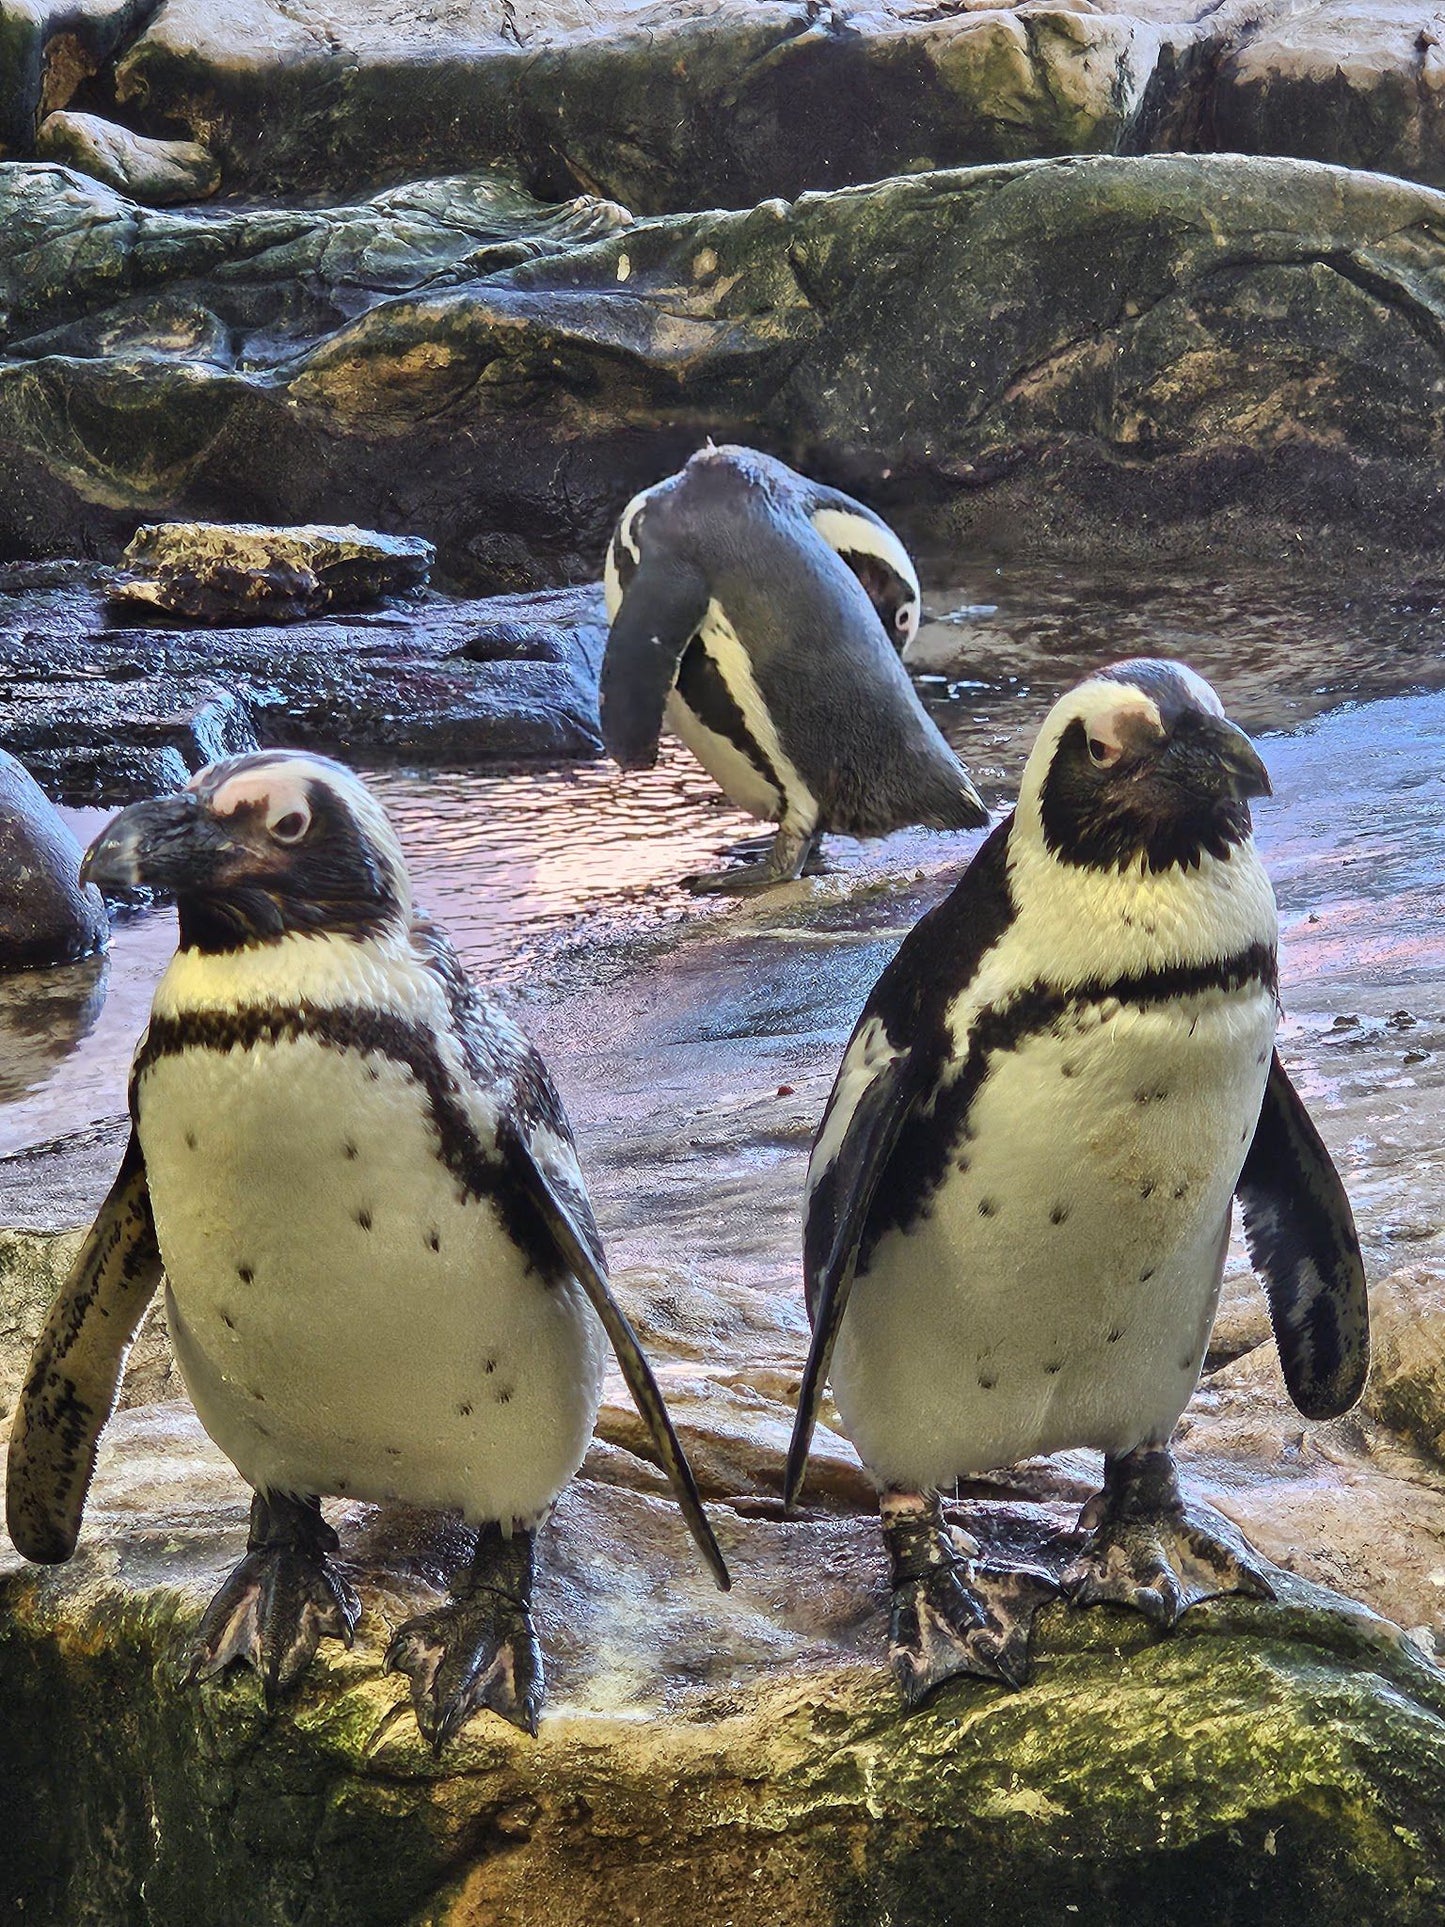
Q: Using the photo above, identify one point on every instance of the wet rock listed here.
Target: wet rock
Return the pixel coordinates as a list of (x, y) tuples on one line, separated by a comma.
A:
[(223, 572), (106, 714), (715, 1760), (46, 915), (1156, 349), (48, 49), (93, 741), (157, 173)]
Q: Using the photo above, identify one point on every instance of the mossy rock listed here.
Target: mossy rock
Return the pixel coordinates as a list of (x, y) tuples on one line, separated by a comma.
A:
[(1097, 352), (706, 1760)]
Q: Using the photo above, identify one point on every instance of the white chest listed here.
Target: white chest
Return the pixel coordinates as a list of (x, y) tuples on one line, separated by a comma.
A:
[(346, 1320), (1059, 1290)]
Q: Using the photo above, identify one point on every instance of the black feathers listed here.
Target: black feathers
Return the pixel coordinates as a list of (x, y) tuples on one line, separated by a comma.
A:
[(1302, 1242)]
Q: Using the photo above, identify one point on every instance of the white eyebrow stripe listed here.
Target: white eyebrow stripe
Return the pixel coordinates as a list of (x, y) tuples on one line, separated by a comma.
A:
[(847, 533)]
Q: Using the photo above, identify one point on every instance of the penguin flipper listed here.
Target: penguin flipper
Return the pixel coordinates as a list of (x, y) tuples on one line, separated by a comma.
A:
[(837, 1214), (575, 1248), (1302, 1242), (76, 1367), (661, 611)]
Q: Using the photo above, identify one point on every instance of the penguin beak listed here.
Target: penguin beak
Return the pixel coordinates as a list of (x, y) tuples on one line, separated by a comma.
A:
[(171, 843), (1210, 754)]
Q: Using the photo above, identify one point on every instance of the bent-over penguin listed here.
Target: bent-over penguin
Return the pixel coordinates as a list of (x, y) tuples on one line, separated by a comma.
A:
[(384, 1280), (764, 617), (1019, 1197)]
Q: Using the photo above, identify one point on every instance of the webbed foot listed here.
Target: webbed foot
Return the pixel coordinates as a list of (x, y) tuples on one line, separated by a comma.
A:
[(1154, 1550), (479, 1650), (953, 1614), (790, 854), (280, 1602)]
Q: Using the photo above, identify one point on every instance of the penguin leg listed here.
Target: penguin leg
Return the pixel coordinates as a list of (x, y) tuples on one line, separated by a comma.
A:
[(784, 863), (481, 1649), (1154, 1550), (280, 1602), (952, 1612)]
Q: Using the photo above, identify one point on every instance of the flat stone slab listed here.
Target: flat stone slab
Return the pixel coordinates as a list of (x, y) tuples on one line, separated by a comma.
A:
[(228, 571)]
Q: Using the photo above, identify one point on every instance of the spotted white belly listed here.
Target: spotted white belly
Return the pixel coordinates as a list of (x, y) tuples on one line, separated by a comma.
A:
[(345, 1322), (1061, 1290)]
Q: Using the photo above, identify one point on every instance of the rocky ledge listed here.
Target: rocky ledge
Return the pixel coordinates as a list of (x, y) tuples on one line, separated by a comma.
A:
[(674, 104), (1099, 353), (104, 710)]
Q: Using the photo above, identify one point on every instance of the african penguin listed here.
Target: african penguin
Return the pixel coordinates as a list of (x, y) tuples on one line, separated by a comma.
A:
[(764, 618), (1019, 1197), (384, 1280)]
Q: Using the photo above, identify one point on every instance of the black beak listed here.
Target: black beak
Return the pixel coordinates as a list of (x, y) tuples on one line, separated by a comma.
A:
[(170, 843), (1210, 753)]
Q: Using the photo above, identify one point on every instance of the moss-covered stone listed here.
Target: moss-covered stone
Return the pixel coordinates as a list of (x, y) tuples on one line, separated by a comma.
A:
[(703, 1759), (1096, 350)]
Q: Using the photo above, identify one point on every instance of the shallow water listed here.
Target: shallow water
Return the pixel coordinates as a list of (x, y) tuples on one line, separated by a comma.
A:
[(526, 867)]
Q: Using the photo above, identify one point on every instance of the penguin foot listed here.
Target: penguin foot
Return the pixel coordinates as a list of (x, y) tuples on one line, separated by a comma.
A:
[(479, 1651), (280, 1602), (785, 862), (953, 1614), (1154, 1550)]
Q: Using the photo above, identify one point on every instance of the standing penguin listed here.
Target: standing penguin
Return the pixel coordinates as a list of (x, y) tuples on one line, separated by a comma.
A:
[(764, 618), (1019, 1197), (384, 1280)]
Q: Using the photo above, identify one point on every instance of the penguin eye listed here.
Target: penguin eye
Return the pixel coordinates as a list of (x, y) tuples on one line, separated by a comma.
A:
[(1104, 755), (291, 827)]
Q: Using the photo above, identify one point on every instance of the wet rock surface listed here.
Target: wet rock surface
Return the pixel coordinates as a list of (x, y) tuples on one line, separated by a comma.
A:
[(1102, 351), (223, 572), (106, 711), (46, 915)]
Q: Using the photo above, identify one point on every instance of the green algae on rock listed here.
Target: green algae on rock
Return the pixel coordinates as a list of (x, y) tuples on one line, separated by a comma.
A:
[(1096, 350), (745, 1764)]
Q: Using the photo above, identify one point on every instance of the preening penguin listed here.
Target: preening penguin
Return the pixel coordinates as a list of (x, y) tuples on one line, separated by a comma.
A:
[(1019, 1197), (764, 617), (384, 1280)]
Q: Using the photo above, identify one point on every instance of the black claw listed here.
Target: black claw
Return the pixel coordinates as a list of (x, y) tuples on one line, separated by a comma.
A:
[(478, 1651), (281, 1601), (952, 1615), (1155, 1551)]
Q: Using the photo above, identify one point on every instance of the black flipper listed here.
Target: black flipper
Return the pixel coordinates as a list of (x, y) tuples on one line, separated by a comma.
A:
[(76, 1367), (1301, 1236), (837, 1214), (575, 1250), (662, 608)]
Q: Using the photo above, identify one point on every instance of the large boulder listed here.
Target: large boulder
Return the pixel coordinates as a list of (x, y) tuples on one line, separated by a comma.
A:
[(1096, 351), (669, 106), (46, 915)]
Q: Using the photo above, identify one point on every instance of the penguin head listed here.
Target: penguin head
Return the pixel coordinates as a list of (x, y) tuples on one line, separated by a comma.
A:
[(1140, 764), (718, 477), (260, 847)]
